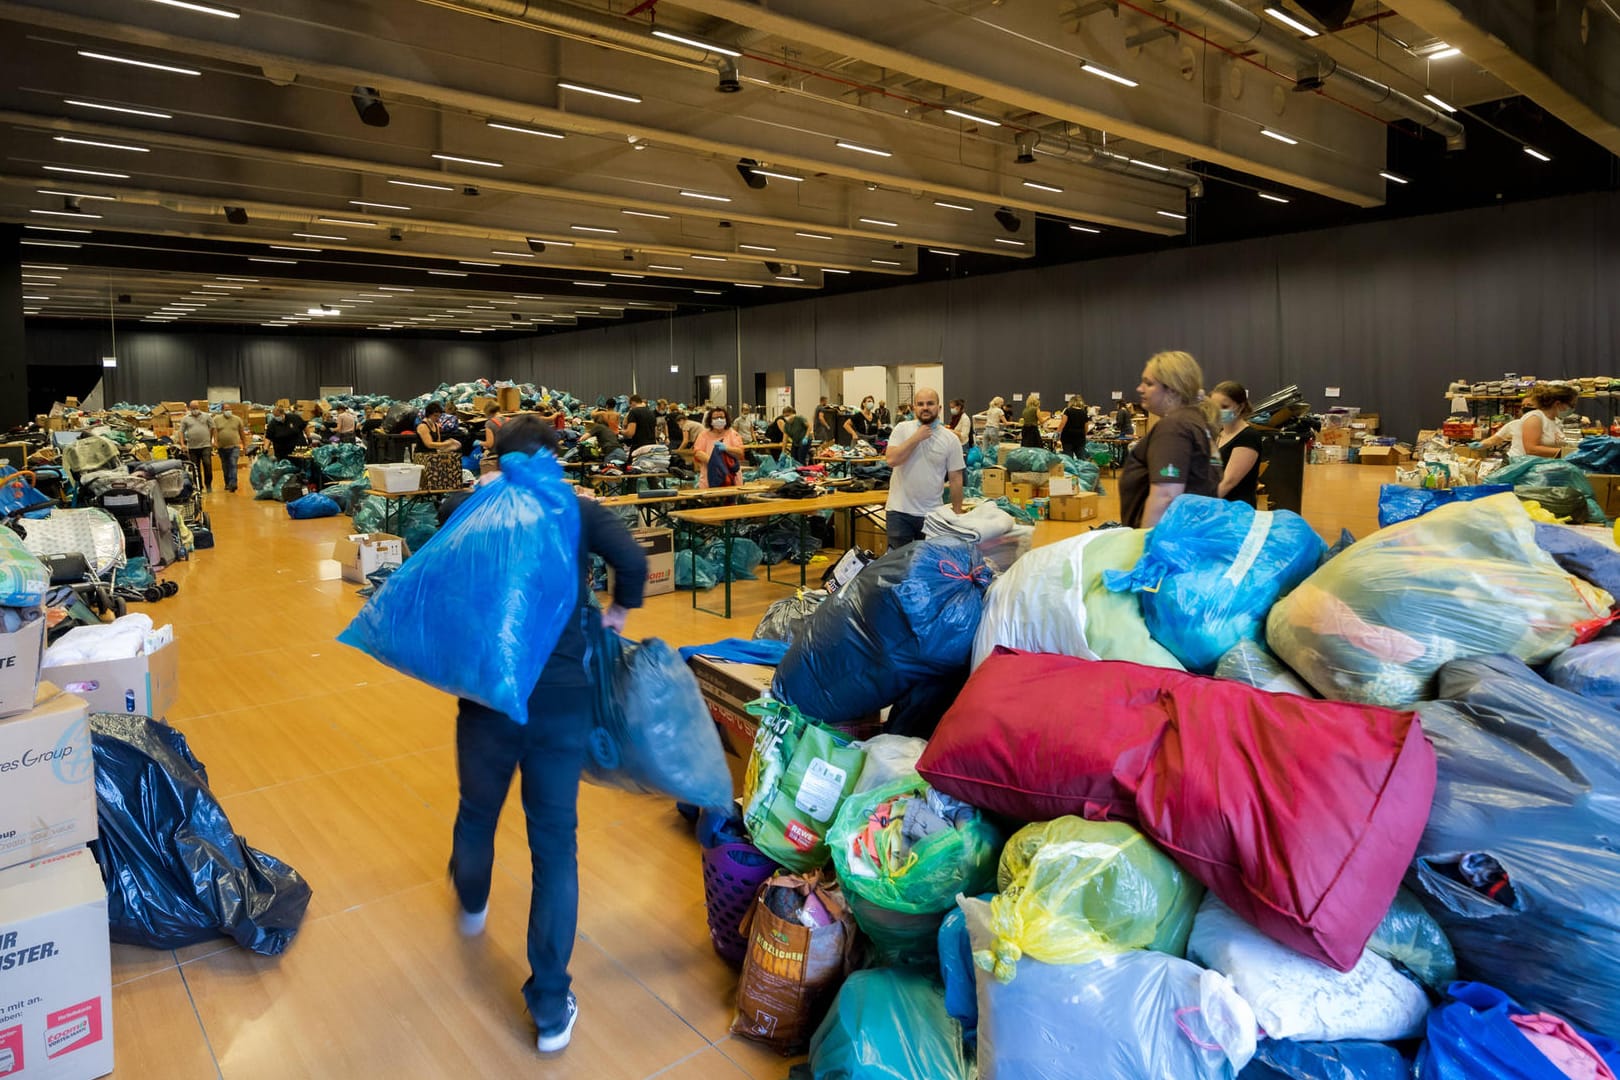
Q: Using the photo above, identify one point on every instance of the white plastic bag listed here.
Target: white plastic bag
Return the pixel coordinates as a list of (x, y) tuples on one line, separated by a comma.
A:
[(888, 758), (1295, 997)]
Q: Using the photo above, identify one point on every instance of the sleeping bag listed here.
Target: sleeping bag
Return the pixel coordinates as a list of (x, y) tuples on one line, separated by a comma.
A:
[(1300, 815), (906, 619), (1211, 571), (1378, 621), (1518, 863)]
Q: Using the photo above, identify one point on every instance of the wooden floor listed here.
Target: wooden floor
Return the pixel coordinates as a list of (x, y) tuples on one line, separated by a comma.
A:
[(347, 771)]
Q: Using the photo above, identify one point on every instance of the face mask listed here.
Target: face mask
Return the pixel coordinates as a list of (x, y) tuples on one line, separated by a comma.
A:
[(718, 424), (1228, 416)]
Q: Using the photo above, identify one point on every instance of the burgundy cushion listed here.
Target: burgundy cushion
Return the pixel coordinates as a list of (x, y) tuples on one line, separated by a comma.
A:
[(1301, 815)]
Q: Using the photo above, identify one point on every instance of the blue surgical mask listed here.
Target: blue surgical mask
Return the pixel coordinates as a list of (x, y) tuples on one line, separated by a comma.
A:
[(1228, 416)]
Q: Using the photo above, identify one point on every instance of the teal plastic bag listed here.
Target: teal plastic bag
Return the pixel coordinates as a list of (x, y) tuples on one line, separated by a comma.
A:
[(889, 1024), (341, 461)]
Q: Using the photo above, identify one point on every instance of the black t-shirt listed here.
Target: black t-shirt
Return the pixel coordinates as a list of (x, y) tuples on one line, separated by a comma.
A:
[(862, 426), (1247, 489), (777, 432), (1074, 432), (1176, 450), (646, 427)]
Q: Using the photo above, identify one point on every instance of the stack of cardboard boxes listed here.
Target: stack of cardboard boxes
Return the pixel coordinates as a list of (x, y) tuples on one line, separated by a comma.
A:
[(55, 958), (1064, 501)]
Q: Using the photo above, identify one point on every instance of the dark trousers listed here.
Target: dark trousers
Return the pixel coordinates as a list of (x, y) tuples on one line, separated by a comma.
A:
[(227, 465), (204, 460), (902, 529), (549, 751), (801, 453)]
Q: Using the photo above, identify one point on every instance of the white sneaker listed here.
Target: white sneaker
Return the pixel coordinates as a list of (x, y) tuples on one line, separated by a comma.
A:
[(558, 1040), (471, 923)]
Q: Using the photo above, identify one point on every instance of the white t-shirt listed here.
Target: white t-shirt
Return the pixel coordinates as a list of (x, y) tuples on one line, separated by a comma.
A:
[(918, 486), (1552, 435)]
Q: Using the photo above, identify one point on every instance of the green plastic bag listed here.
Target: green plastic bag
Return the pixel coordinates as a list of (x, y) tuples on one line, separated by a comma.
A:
[(1115, 628), (1074, 890), (799, 775), (889, 1024)]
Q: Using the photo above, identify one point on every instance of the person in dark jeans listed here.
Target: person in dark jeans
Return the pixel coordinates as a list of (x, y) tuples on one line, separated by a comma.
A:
[(925, 456), (549, 753)]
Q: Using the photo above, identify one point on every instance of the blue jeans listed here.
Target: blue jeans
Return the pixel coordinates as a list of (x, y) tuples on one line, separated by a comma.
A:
[(227, 465), (902, 529), (550, 752)]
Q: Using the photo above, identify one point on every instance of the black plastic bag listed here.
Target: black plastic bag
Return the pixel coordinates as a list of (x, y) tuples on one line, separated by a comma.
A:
[(1519, 864), (176, 872)]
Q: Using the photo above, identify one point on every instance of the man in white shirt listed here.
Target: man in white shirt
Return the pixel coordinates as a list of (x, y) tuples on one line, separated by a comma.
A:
[(924, 455)]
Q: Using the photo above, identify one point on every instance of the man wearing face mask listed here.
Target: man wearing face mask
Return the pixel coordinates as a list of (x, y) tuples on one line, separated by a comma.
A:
[(718, 452), (925, 455)]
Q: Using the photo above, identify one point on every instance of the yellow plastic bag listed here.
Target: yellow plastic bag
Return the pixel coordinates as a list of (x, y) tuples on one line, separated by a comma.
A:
[(1074, 890)]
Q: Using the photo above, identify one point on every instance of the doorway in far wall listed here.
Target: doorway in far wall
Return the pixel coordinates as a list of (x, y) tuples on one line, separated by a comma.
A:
[(710, 388), (761, 389)]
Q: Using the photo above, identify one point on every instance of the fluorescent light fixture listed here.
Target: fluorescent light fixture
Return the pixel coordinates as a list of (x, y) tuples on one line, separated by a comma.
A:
[(942, 251), (67, 213), (201, 9), (395, 288), (1172, 214), (813, 235), (102, 145), (1431, 48), (695, 43), (57, 229), (57, 276), (594, 229), (1289, 21), (885, 262), (419, 184), (1085, 229), (1010, 243), (832, 270), (705, 292), (591, 284), (701, 195), (235, 287), (746, 285), (110, 58), (777, 175), (77, 195), (118, 109), (467, 161), (880, 221), (975, 118), (349, 222), (632, 277), (1394, 178), (86, 172), (952, 206), (36, 298), (859, 149), (1279, 136), (1269, 197), (471, 262), (1043, 187), (597, 91), (379, 205), (1155, 166), (1103, 73), (1443, 54), (554, 243), (41, 266), (291, 247), (669, 269), (1537, 154), (755, 247), (707, 258), (448, 273), (645, 214), (317, 236), (500, 126), (514, 254), (790, 277), (1439, 104)]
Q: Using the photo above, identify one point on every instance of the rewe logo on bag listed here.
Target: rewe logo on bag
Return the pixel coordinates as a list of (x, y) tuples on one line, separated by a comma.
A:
[(800, 837)]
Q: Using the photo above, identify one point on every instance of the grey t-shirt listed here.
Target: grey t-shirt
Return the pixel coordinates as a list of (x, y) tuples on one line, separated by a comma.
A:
[(197, 432), (918, 486)]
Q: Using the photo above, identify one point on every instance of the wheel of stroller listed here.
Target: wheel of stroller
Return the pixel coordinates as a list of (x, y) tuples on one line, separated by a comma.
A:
[(152, 594), (205, 522), (169, 587), (119, 608)]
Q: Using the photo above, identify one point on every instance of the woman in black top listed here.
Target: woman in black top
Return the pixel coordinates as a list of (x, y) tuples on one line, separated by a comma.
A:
[(1239, 444), (861, 425), (1175, 457), (1072, 427)]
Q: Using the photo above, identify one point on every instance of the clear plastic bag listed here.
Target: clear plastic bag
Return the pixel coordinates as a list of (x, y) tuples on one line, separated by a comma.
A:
[(1073, 890), (512, 551), (1410, 939), (877, 862), (1252, 664), (889, 758), (889, 1024), (24, 581), (1376, 623)]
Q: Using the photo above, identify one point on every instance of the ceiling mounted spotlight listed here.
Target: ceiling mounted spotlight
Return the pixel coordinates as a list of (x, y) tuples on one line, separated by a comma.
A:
[(368, 104), (236, 215), (1026, 147), (1008, 220), (730, 82), (537, 246), (745, 169)]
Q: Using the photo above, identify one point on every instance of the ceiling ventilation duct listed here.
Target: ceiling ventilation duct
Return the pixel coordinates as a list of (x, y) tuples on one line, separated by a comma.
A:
[(1062, 146)]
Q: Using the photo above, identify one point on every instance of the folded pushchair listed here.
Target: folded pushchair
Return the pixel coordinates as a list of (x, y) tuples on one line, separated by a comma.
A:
[(83, 549)]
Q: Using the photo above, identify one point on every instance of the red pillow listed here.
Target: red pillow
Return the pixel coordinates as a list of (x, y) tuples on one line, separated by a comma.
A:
[(1301, 815)]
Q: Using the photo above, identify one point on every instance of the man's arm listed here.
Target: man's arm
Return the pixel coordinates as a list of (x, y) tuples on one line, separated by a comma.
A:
[(956, 490), (610, 539)]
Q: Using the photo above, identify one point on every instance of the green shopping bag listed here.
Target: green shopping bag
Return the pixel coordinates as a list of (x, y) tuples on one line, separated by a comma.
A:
[(799, 775)]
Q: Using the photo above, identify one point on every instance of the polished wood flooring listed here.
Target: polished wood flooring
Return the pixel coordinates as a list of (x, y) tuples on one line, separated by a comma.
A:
[(347, 771)]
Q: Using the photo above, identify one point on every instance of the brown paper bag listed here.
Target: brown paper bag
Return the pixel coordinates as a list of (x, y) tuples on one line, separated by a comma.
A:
[(792, 972)]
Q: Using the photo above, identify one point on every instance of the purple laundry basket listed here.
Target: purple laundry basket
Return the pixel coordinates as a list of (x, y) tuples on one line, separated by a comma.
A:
[(732, 875)]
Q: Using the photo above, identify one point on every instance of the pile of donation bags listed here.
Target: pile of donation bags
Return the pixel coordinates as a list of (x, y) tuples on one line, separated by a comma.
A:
[(1129, 868)]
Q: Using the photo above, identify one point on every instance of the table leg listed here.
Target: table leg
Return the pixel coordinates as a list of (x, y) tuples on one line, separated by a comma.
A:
[(725, 571)]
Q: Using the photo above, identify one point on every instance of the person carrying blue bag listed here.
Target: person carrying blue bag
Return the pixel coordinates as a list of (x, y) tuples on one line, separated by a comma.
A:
[(527, 700)]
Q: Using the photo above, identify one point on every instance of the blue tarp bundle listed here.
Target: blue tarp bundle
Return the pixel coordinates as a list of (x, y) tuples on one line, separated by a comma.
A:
[(1597, 454)]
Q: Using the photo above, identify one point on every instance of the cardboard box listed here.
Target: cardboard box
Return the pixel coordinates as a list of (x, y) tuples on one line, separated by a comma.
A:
[(20, 654), (659, 547), (1606, 488), (238, 408), (479, 404), (56, 978), (398, 477), (1019, 494), (1384, 455), (172, 408), (1059, 486), (362, 553), (993, 481), (47, 782), (1334, 436), (256, 420), (144, 685), (1081, 507), (509, 398)]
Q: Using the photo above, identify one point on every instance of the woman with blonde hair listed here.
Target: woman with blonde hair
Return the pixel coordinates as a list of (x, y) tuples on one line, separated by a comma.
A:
[(994, 418), (1174, 458), (1031, 434)]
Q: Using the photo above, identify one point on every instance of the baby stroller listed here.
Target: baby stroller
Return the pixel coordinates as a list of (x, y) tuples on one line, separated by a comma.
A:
[(138, 505), (83, 549)]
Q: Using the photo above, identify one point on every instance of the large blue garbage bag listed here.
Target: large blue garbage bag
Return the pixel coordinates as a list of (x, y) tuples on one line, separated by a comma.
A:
[(1585, 557), (341, 461), (1212, 570), (1534, 472), (1397, 503), (1597, 454), (889, 1024), (1031, 459), (906, 619), (1518, 863), (1590, 671), (511, 552), (1284, 1059), (313, 505), (696, 571), (956, 970), (1474, 1038), (268, 475)]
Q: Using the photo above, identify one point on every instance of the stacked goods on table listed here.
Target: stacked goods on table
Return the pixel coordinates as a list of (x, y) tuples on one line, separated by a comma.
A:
[(1375, 841)]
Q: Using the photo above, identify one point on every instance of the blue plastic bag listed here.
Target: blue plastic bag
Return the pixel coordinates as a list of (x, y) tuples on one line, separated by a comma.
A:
[(510, 552), (694, 571), (341, 461), (1397, 503), (1474, 1038), (957, 971), (1585, 557), (1211, 571), (1598, 454), (1031, 459), (313, 505), (1284, 1059), (889, 1024), (1591, 671)]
